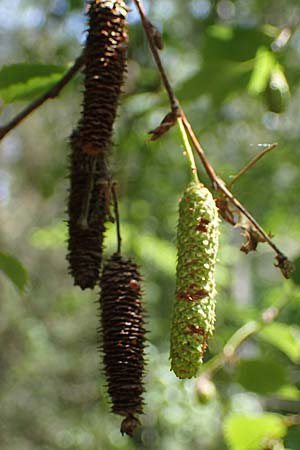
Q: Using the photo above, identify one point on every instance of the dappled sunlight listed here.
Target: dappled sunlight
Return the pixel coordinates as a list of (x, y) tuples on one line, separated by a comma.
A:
[(234, 67)]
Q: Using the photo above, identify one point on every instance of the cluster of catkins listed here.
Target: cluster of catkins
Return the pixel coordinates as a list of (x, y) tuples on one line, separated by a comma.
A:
[(88, 208), (122, 328)]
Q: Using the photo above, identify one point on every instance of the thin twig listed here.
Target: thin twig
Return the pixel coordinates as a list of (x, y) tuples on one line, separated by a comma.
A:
[(53, 92), (83, 220), (148, 29), (218, 183), (188, 150), (117, 216), (252, 163), (222, 187)]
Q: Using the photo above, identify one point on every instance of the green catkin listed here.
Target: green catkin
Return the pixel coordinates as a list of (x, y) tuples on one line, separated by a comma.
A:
[(194, 309)]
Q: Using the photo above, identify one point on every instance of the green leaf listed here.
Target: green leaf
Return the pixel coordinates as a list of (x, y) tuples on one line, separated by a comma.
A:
[(285, 337), (218, 80), (220, 32), (229, 56), (49, 237), (75, 4), (233, 44), (292, 440), (14, 270), (289, 391), (261, 376), (23, 72), (263, 65), (296, 274), (245, 432), (27, 81)]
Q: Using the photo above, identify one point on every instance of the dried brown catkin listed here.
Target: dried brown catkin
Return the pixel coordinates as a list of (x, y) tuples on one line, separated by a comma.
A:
[(105, 67), (123, 337), (89, 196), (87, 210)]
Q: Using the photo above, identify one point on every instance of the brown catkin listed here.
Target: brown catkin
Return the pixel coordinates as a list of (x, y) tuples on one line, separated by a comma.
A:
[(105, 66), (87, 211), (123, 337)]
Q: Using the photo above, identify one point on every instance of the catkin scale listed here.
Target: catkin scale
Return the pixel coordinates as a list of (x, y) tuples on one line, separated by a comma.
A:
[(90, 181), (123, 337), (194, 308)]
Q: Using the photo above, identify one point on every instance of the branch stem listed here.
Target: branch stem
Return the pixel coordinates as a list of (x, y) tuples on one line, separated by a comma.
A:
[(147, 27), (53, 92), (217, 182), (117, 217), (252, 163), (222, 187), (219, 185)]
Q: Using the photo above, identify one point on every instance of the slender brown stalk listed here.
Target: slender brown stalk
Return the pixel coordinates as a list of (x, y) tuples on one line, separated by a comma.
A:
[(243, 210), (53, 92), (217, 182), (117, 217), (252, 163), (148, 30), (219, 185)]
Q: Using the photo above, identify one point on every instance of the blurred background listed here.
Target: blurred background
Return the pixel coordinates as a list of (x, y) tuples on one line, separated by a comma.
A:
[(235, 68)]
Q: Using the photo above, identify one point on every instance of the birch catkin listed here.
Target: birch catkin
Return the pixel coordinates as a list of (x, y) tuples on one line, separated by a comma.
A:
[(123, 338), (87, 212), (194, 309), (105, 68), (89, 197)]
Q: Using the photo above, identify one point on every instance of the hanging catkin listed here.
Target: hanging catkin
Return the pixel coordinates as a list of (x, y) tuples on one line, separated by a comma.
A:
[(87, 211), (123, 336), (105, 65), (194, 309)]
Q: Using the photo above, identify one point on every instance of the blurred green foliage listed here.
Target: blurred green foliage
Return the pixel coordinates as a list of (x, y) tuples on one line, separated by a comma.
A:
[(14, 270), (223, 58), (254, 433), (26, 81)]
